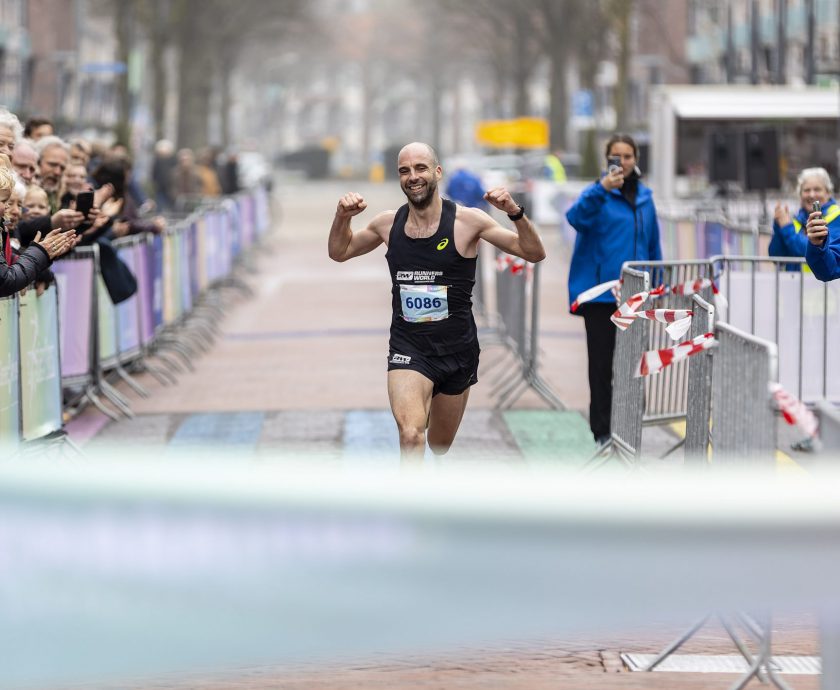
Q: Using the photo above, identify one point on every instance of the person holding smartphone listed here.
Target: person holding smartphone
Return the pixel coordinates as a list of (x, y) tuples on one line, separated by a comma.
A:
[(812, 185), (615, 219), (823, 251)]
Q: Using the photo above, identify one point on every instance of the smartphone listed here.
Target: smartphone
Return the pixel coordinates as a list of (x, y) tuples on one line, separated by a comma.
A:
[(84, 202), (613, 164), (815, 207)]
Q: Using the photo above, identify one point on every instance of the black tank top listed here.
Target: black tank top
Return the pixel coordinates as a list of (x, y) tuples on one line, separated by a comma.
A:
[(431, 293)]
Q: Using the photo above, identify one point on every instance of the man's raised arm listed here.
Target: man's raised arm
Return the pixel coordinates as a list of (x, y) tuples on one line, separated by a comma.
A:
[(525, 242), (345, 244)]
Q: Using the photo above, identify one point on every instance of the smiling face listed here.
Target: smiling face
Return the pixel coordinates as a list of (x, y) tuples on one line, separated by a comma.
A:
[(25, 162), (35, 204), (7, 141), (13, 209), (813, 189), (419, 174), (54, 160), (75, 179)]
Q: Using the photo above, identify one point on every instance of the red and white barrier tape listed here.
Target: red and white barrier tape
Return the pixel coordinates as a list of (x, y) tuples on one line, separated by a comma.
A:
[(626, 313), (593, 292), (692, 287), (514, 263), (686, 289), (654, 361), (678, 320), (795, 412)]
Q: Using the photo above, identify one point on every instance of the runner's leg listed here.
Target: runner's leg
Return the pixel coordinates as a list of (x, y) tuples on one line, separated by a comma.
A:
[(444, 420), (410, 394)]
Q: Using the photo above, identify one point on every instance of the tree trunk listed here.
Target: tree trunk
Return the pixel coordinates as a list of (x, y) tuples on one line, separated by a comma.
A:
[(522, 67), (624, 10), (225, 80), (195, 76), (558, 119), (158, 48), (124, 45)]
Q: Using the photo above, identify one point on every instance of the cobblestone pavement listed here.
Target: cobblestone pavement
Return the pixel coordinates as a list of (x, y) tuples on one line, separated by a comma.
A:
[(307, 350)]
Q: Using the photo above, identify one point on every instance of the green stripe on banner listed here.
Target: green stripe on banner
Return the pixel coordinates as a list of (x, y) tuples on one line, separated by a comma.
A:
[(551, 435)]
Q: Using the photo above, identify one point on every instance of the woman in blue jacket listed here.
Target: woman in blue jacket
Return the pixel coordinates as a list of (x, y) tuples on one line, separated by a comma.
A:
[(813, 184), (615, 219)]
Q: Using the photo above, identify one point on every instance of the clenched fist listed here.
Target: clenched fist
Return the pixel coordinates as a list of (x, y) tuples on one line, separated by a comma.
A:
[(501, 199), (350, 205)]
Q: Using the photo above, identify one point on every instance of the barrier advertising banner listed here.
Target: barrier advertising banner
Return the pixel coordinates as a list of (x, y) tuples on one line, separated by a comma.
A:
[(74, 278), (9, 385), (40, 371)]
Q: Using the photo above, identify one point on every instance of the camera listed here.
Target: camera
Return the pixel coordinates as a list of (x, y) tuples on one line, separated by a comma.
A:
[(613, 164)]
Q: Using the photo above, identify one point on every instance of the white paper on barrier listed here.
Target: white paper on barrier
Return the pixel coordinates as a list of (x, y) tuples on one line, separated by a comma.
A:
[(107, 322), (128, 324)]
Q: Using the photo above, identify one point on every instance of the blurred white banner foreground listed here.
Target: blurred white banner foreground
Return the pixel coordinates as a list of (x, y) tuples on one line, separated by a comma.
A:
[(128, 569)]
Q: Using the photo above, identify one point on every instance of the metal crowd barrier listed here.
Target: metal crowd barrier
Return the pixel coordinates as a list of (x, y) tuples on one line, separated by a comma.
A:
[(627, 390), (698, 410), (40, 366), (517, 305), (743, 419), (829, 418), (666, 393), (9, 376), (61, 348), (792, 309)]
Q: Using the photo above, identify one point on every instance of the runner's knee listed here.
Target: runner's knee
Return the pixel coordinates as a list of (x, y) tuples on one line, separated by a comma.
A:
[(412, 436), (439, 448)]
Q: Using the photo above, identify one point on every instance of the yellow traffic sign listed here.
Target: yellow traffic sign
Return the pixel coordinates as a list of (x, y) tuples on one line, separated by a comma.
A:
[(522, 132)]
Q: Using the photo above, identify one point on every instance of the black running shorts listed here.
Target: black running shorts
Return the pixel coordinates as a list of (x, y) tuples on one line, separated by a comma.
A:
[(451, 374)]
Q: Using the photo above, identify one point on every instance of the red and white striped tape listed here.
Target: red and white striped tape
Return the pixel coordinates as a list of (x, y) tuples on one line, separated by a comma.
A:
[(626, 313), (795, 412), (654, 361), (692, 287), (593, 292), (514, 263), (678, 320)]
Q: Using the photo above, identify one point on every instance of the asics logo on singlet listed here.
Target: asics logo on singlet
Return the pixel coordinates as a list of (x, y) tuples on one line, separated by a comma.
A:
[(405, 275), (400, 359), (442, 244)]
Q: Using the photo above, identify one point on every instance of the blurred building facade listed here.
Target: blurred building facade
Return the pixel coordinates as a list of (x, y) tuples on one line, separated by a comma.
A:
[(763, 41), (15, 51)]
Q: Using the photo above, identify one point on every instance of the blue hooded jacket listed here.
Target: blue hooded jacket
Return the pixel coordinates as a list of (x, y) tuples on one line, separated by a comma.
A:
[(610, 232), (791, 240), (825, 261)]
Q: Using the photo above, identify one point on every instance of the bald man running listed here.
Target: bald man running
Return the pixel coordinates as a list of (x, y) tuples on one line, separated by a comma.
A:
[(432, 248)]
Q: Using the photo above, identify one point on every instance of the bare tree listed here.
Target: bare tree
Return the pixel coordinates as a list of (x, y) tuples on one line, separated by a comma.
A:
[(210, 35)]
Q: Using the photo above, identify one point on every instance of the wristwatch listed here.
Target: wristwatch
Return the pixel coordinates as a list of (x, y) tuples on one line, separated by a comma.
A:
[(517, 215)]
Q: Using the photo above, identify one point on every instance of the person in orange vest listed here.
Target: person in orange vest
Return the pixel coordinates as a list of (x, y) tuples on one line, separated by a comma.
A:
[(813, 184)]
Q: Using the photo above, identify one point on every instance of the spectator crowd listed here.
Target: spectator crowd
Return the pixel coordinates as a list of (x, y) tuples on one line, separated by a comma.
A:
[(56, 194)]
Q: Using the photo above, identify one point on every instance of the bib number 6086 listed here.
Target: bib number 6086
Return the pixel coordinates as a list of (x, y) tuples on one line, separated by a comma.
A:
[(422, 302)]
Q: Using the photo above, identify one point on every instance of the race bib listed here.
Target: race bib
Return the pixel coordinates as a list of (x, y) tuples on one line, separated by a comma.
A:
[(424, 303)]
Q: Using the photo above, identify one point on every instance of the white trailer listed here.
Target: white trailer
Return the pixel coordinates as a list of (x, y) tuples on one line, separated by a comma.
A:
[(814, 109)]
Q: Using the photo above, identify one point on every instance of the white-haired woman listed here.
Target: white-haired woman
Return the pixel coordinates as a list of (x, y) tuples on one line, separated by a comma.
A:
[(10, 131), (813, 184)]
